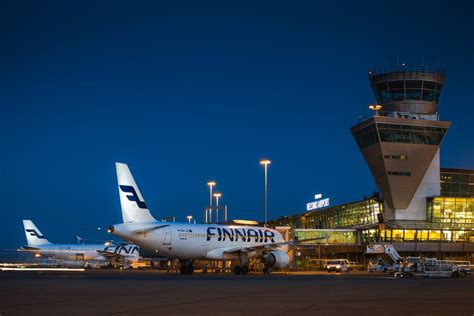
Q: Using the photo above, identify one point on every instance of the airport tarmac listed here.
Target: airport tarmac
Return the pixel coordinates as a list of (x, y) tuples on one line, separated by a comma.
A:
[(156, 292)]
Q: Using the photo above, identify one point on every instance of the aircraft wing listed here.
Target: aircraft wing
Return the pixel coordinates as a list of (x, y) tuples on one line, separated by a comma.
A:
[(270, 246), (110, 255), (27, 248)]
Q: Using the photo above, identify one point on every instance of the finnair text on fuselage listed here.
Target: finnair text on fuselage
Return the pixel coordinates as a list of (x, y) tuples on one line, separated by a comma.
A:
[(244, 234)]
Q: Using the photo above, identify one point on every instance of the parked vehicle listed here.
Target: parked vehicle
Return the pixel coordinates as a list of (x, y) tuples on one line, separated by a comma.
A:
[(338, 265), (428, 268), (379, 265), (356, 266), (464, 266)]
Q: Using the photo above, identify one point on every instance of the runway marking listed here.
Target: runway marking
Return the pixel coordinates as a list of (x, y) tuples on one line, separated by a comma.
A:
[(44, 269)]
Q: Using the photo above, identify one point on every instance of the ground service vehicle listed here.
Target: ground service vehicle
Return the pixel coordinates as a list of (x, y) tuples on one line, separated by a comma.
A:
[(356, 266), (464, 266), (379, 265), (428, 268), (338, 265)]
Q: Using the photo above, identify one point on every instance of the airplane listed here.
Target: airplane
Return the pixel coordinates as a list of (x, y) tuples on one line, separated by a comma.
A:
[(86, 253), (188, 242)]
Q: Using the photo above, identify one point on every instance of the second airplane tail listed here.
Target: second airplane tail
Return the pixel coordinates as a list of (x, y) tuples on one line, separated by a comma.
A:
[(134, 208), (33, 235)]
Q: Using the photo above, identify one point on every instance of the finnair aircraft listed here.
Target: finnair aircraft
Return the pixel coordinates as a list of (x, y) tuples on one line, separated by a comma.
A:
[(188, 242), (39, 245)]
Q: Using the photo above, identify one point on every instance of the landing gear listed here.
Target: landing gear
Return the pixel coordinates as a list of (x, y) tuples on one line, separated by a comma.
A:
[(237, 270), (186, 267), (267, 270), (244, 269)]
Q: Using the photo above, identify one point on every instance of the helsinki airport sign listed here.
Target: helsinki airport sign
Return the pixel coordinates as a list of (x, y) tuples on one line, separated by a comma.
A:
[(319, 203)]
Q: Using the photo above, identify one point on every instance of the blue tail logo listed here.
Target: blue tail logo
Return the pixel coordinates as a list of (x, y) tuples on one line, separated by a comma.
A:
[(34, 233), (134, 197)]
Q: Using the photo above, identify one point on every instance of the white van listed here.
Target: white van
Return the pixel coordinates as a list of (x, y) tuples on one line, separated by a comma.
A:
[(338, 265)]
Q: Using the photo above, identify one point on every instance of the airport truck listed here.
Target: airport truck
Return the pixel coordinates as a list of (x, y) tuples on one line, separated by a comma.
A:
[(378, 264), (428, 268), (404, 267)]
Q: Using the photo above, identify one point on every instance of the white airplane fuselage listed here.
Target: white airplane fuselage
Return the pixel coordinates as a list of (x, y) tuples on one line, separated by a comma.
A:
[(83, 252), (196, 241), (71, 251)]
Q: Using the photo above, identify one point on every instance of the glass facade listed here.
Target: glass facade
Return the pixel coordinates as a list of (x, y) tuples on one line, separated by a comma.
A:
[(450, 218), (366, 136), (407, 90), (409, 134), (418, 235), (395, 133), (457, 183), (451, 211), (348, 236), (342, 216)]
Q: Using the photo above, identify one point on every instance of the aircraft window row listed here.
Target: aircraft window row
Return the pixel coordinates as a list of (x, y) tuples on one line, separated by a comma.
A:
[(191, 235)]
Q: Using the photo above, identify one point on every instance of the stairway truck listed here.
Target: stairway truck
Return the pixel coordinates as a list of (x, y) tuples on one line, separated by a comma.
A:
[(378, 264)]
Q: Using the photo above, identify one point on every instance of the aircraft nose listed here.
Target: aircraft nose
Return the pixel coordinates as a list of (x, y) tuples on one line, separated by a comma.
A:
[(111, 229)]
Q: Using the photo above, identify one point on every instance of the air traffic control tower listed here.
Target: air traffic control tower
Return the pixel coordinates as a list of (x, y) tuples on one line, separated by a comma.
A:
[(401, 142)]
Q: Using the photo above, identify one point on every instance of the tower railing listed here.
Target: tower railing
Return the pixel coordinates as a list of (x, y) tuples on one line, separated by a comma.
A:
[(407, 68)]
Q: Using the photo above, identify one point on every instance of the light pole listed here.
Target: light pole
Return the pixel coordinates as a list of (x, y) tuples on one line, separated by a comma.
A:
[(217, 195), (189, 217), (210, 184), (265, 163)]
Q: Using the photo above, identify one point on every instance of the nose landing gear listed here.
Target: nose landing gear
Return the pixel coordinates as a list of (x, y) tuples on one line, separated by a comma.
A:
[(186, 267), (244, 269)]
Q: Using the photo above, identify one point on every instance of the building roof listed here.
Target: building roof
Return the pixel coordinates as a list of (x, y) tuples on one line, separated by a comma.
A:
[(455, 170)]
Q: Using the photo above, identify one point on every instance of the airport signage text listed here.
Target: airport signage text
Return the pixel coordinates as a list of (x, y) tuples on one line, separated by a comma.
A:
[(317, 204)]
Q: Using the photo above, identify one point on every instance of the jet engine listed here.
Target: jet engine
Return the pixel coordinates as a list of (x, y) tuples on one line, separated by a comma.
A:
[(276, 259)]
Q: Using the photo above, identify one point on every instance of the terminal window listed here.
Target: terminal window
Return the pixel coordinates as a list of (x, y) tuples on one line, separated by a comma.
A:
[(399, 157), (366, 136), (457, 184), (399, 173), (452, 211)]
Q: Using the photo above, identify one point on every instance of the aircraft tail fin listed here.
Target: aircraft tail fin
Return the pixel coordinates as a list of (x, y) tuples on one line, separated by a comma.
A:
[(33, 235), (133, 205)]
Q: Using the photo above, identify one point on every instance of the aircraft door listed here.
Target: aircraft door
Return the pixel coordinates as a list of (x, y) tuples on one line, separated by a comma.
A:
[(79, 257), (167, 236)]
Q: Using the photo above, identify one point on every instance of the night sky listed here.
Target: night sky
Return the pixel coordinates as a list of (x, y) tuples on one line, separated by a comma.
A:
[(186, 92)]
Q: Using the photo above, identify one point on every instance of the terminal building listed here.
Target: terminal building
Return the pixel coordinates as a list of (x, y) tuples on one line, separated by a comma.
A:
[(423, 209)]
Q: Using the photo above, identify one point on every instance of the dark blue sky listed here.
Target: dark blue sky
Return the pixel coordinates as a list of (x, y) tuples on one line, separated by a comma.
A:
[(190, 91)]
